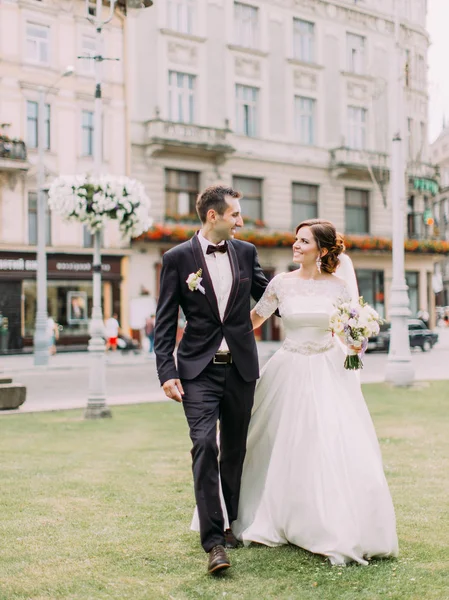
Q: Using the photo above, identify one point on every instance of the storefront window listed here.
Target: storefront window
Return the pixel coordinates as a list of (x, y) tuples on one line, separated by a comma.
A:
[(412, 280), (69, 303), (371, 287)]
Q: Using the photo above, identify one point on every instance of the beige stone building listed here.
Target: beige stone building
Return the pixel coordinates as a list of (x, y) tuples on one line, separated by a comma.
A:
[(288, 101), (38, 40), (439, 152)]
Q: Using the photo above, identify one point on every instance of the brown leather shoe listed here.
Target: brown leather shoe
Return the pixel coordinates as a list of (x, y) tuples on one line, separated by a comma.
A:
[(231, 542), (218, 560)]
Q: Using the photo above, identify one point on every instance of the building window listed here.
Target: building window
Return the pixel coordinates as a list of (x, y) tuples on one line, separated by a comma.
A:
[(251, 201), (305, 120), (92, 8), (420, 71), (423, 136), (356, 211), (356, 53), (33, 125), (181, 191), (303, 40), (88, 49), (412, 280), (246, 105), (410, 139), (304, 203), (38, 43), (87, 130), (246, 25), (357, 118), (371, 287), (181, 15), (32, 220), (181, 97)]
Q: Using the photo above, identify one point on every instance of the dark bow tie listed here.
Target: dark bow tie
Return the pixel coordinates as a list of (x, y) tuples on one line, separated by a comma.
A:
[(212, 249)]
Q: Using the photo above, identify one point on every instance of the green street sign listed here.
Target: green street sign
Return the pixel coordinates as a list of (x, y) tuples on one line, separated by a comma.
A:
[(425, 185)]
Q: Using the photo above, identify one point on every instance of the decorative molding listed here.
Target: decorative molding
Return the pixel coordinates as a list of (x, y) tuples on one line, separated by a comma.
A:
[(182, 53), (243, 49), (304, 80), (357, 76), (301, 63), (183, 36), (247, 67), (357, 91)]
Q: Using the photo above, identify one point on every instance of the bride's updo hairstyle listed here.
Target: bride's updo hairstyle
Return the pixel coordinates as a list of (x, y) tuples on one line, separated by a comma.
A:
[(326, 237)]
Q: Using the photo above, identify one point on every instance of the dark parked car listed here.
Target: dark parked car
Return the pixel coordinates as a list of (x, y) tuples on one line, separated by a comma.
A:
[(419, 335)]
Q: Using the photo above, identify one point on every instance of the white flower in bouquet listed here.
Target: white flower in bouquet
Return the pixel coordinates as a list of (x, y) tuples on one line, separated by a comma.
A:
[(94, 200), (355, 324)]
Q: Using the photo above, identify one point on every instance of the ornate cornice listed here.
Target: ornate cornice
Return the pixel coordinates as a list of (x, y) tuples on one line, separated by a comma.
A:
[(372, 20)]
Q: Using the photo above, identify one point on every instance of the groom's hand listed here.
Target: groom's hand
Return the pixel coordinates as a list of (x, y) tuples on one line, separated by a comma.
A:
[(173, 389)]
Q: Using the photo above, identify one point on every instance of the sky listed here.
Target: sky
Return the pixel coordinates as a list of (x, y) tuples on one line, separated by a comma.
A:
[(438, 27)]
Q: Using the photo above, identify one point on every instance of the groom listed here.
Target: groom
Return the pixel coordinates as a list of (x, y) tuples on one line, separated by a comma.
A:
[(211, 277)]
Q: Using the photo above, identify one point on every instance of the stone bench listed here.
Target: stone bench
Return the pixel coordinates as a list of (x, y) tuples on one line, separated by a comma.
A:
[(4, 379), (12, 395)]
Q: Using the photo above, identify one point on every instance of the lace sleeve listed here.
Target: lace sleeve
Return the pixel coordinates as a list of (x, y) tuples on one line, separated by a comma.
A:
[(269, 301)]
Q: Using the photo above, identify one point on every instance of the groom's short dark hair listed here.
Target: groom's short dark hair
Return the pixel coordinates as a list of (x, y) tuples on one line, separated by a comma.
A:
[(214, 197)]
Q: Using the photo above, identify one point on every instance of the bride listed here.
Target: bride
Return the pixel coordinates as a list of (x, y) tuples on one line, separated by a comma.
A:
[(313, 474)]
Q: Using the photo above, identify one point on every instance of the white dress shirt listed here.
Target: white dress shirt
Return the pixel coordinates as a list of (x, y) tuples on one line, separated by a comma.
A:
[(220, 272)]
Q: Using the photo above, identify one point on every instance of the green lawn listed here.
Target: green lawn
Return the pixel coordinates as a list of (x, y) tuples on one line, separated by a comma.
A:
[(101, 510)]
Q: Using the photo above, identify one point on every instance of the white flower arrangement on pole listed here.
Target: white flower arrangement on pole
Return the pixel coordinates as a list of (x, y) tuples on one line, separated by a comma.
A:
[(94, 200)]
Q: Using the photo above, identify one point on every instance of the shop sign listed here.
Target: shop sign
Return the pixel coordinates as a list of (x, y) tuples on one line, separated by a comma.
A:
[(17, 264), (57, 265), (79, 267)]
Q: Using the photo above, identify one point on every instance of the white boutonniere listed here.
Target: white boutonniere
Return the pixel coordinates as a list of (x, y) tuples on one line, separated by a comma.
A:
[(194, 281)]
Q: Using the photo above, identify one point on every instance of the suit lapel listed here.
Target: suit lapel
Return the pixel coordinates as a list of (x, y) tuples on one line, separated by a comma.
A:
[(207, 281), (235, 279)]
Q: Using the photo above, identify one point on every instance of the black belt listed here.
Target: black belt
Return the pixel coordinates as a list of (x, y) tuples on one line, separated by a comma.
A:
[(222, 358)]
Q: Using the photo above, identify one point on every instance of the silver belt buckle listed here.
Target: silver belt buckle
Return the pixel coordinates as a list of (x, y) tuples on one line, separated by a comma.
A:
[(219, 362)]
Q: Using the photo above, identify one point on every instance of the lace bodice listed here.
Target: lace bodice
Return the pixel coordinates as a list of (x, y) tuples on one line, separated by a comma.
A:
[(305, 307)]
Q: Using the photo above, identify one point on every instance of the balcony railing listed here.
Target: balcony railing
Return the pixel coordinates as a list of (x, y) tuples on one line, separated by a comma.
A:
[(13, 156), (363, 159), (13, 149), (423, 170), (187, 137)]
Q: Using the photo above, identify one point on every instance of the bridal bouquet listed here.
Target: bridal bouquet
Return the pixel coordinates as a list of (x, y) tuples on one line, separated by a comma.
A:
[(355, 323)]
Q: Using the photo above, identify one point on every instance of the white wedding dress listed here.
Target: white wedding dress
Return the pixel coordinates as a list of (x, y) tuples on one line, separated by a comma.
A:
[(313, 473)]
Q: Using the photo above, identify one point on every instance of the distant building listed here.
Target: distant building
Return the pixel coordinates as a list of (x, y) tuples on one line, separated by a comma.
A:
[(288, 101), (438, 214), (38, 40)]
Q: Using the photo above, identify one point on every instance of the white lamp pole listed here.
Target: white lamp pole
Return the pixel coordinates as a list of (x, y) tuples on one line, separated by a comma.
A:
[(41, 341), (399, 366), (96, 401)]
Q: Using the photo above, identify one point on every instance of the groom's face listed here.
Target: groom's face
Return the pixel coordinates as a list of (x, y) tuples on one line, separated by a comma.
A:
[(226, 225)]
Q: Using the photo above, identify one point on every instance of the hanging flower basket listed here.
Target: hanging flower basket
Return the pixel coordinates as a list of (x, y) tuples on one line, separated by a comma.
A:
[(94, 200)]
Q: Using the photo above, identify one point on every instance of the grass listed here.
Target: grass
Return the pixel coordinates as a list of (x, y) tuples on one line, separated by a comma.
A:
[(101, 510)]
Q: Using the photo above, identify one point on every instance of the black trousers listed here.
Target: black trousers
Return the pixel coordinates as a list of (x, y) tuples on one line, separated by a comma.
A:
[(217, 394)]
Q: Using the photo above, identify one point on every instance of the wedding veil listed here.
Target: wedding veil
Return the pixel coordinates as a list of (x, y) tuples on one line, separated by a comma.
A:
[(346, 271)]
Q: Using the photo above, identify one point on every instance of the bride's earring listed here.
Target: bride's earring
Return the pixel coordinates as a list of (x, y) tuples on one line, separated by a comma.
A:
[(318, 263)]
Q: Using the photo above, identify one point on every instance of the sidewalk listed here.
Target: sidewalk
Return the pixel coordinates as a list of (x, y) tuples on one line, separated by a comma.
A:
[(18, 363), (132, 378)]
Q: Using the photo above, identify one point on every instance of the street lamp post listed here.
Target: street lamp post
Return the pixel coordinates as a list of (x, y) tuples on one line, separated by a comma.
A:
[(399, 366), (96, 401), (40, 342)]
